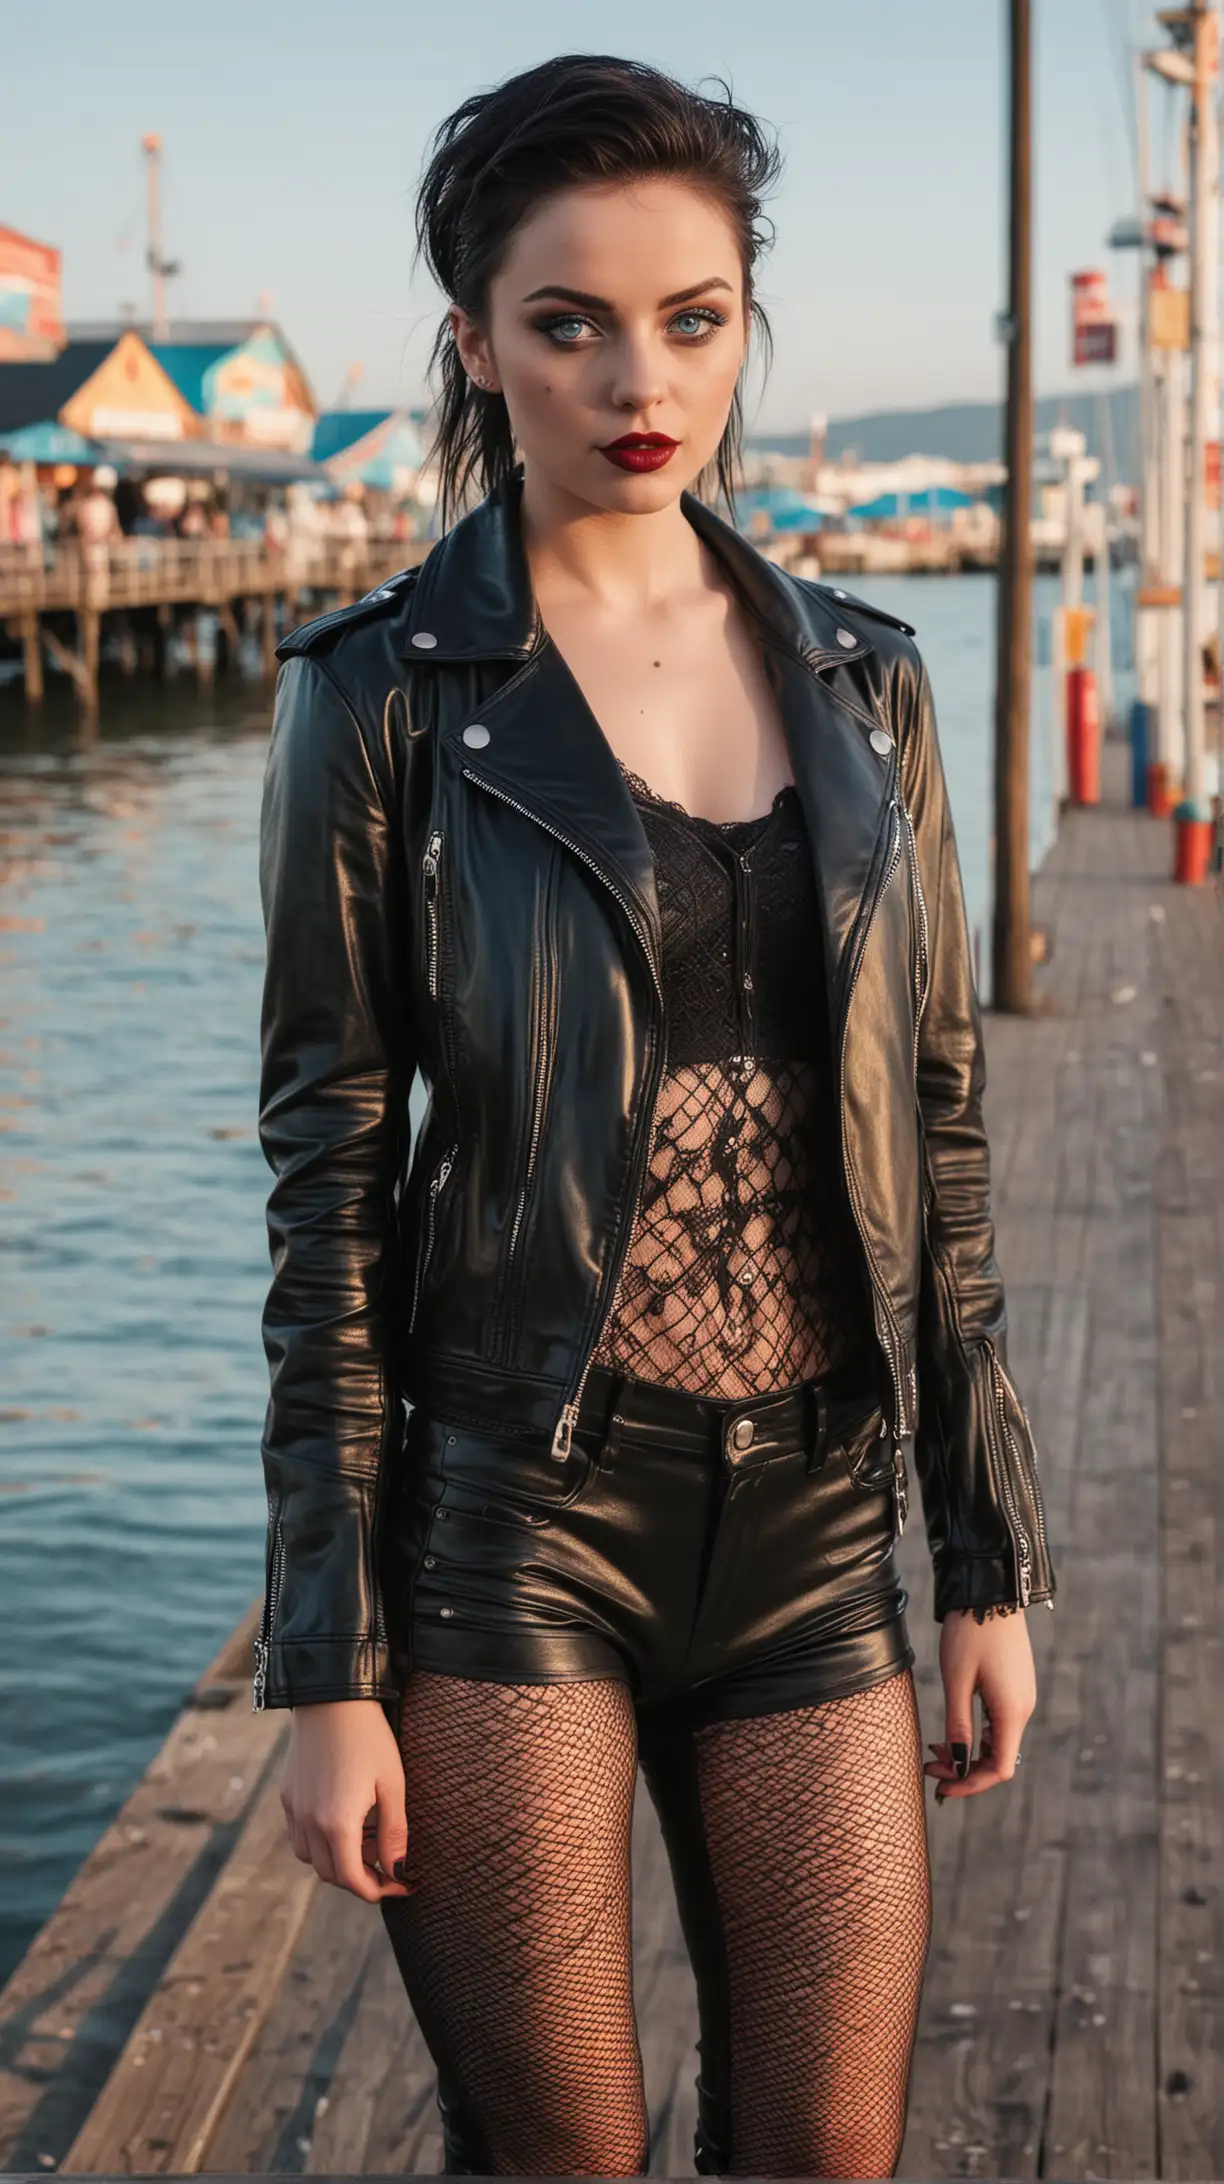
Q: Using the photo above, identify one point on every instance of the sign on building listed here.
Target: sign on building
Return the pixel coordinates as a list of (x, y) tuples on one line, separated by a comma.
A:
[(31, 328), (1094, 329)]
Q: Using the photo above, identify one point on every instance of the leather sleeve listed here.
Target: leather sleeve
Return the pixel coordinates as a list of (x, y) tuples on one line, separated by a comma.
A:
[(974, 1453), (336, 1072)]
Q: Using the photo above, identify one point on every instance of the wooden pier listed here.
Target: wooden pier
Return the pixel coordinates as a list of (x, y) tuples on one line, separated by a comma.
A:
[(199, 2002), (57, 607)]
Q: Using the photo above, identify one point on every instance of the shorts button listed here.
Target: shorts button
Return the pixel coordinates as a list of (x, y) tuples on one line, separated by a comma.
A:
[(743, 1433)]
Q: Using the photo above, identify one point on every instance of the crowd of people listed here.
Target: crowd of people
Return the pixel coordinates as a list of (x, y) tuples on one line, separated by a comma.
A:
[(96, 508)]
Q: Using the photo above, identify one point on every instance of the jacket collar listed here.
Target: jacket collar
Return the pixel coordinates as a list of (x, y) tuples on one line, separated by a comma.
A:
[(473, 598), (473, 601)]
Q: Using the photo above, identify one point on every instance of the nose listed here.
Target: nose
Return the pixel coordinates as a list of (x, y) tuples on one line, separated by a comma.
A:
[(639, 379)]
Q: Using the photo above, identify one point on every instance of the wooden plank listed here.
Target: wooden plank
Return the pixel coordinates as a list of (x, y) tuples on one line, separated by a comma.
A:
[(70, 2004), (163, 2100), (1190, 1242)]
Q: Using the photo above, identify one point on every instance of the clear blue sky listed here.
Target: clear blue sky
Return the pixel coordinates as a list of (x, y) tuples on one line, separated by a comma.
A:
[(294, 132)]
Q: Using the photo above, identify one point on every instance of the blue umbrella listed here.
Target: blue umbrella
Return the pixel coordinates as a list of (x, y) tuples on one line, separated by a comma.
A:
[(50, 443)]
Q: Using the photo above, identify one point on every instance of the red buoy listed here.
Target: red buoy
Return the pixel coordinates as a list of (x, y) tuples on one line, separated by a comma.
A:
[(1083, 737), (1159, 790), (1192, 831)]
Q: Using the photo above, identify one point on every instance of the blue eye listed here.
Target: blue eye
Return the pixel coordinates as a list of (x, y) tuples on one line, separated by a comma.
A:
[(567, 332), (698, 323)]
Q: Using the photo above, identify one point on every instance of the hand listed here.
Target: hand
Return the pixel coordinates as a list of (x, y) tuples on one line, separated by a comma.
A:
[(994, 1658), (343, 1795)]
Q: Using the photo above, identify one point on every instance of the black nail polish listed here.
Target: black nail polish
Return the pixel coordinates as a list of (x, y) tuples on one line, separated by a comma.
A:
[(400, 1870), (960, 1759)]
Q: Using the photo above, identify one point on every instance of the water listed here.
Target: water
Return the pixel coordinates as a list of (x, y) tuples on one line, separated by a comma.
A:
[(134, 1262)]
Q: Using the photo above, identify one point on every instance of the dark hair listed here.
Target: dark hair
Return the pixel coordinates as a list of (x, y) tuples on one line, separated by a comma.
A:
[(580, 118)]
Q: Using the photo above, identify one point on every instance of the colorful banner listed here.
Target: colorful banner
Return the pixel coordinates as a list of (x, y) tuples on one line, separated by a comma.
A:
[(1094, 329)]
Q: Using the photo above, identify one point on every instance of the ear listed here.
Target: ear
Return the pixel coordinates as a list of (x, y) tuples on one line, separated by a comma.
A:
[(474, 352)]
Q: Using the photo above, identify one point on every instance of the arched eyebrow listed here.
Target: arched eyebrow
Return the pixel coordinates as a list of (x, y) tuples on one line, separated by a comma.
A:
[(600, 303)]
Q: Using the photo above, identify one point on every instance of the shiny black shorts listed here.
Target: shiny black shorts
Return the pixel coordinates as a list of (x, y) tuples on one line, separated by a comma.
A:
[(722, 1559)]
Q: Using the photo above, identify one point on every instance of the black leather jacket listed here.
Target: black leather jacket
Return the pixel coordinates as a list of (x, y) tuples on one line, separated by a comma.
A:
[(455, 880)]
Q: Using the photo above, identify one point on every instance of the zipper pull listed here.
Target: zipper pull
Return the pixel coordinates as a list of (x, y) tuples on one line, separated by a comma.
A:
[(563, 1438), (430, 863), (260, 1685)]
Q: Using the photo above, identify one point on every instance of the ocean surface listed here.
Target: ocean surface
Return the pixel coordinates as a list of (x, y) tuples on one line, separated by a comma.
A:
[(132, 1250)]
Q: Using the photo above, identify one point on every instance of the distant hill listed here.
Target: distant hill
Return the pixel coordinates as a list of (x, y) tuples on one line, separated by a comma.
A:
[(972, 432)]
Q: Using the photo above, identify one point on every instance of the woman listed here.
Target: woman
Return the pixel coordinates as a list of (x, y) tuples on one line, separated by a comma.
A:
[(638, 849)]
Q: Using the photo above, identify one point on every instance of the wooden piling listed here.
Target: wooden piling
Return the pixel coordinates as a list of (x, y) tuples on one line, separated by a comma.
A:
[(32, 659)]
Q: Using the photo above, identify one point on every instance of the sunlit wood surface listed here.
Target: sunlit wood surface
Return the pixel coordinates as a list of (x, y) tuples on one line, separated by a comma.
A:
[(198, 2002)]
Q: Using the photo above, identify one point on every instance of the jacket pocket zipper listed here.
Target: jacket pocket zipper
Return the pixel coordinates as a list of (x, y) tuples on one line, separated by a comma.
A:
[(436, 1187), (431, 868), (263, 1643)]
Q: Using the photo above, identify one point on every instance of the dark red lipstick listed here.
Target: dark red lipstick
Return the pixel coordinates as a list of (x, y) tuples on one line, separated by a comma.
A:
[(640, 451)]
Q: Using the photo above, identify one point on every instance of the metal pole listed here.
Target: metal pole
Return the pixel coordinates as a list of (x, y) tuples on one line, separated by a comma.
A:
[(1172, 619), (1202, 328), (152, 151), (1012, 954)]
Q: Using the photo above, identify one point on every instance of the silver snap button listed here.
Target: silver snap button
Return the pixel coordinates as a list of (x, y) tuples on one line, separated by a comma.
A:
[(429, 1562), (424, 640), (847, 638), (476, 736), (743, 1433), (881, 741), (839, 595), (445, 1612)]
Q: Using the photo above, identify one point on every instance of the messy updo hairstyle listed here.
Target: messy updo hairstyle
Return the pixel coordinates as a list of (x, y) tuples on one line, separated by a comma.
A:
[(578, 119)]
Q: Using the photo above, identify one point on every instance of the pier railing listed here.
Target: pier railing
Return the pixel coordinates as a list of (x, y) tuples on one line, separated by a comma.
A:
[(152, 572)]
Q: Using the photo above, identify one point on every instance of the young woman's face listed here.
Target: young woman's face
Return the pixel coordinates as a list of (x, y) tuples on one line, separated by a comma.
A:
[(616, 329)]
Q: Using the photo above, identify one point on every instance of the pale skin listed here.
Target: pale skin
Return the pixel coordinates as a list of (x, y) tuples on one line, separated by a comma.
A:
[(670, 668)]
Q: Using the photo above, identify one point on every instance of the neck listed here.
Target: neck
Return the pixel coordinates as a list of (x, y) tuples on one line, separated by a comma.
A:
[(627, 563)]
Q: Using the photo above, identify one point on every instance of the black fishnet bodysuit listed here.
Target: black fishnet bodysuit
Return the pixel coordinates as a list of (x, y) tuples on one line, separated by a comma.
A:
[(744, 1273), (797, 1839)]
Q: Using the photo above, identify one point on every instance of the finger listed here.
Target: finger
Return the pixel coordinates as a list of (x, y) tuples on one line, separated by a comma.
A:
[(369, 1840), (301, 1848), (958, 1720), (392, 1821), (320, 1853), (349, 1871), (996, 1764)]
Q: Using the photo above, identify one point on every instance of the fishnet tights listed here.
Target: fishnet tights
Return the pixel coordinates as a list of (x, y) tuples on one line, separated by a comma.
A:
[(798, 1842)]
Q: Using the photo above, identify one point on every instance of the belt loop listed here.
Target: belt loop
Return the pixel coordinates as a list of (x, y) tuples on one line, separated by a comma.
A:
[(818, 1426), (614, 1426)]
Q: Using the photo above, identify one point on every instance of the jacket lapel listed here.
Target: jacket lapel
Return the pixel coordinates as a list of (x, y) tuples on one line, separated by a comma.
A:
[(812, 647)]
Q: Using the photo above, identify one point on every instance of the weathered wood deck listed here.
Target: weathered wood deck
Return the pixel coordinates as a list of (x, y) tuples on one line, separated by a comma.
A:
[(197, 2002)]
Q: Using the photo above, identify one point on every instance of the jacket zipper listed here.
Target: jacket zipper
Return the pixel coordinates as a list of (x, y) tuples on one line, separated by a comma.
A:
[(884, 1317), (263, 1643), (436, 1187), (1024, 1548), (922, 978), (431, 867), (1021, 1544), (563, 1436)]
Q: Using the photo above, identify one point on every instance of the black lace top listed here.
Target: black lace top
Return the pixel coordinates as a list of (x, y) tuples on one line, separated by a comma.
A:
[(744, 1271)]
